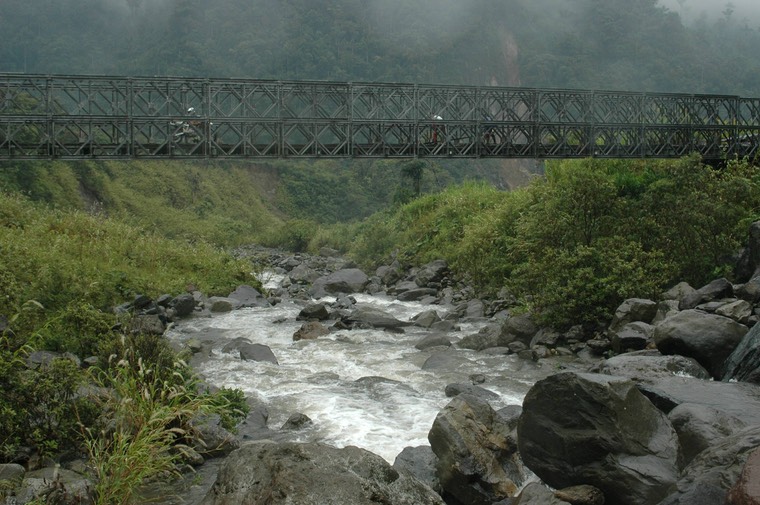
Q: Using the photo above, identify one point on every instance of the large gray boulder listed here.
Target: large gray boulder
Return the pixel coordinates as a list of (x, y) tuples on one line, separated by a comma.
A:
[(739, 399), (348, 280), (598, 430), (634, 310), (717, 289), (432, 273), (421, 462), (649, 366), (708, 338), (249, 351), (478, 463), (744, 363), (303, 274), (522, 326), (699, 426), (708, 478), (490, 335), (374, 317), (313, 474), (210, 438), (249, 296), (633, 336), (183, 305)]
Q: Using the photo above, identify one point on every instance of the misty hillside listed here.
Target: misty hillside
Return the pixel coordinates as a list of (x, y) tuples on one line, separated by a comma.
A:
[(612, 44)]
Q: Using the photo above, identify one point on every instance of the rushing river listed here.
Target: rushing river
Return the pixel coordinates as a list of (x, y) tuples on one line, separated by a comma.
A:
[(360, 387)]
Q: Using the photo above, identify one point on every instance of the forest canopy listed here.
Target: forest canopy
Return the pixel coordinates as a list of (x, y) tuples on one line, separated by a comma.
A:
[(612, 44)]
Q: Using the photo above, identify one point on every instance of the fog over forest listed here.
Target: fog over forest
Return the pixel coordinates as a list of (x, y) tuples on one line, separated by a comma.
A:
[(739, 11), (695, 46)]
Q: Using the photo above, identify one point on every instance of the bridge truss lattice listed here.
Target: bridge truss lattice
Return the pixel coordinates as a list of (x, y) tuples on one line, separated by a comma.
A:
[(75, 117)]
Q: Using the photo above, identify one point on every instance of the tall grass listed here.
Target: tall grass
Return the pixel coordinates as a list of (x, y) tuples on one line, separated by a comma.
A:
[(146, 417)]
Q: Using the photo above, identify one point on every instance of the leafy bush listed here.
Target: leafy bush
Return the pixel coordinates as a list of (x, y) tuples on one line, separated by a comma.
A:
[(40, 406), (294, 235), (588, 235)]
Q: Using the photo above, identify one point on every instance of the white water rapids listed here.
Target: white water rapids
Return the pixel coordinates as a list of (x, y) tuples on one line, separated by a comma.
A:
[(319, 377)]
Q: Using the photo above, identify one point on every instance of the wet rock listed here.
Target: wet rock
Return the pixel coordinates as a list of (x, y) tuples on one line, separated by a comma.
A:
[(389, 274), (57, 485), (421, 462), (536, 493), (545, 337), (303, 274), (648, 366), (222, 304), (581, 495), (248, 296), (678, 292), (475, 308), (744, 362), (746, 491), (470, 389), (433, 341), (699, 426), (375, 318), (349, 280), (240, 345), (311, 474), (310, 331), (719, 288), (750, 291), (433, 272), (183, 305), (11, 475), (708, 478), (443, 360), (740, 400), (148, 325), (708, 338), (257, 352), (296, 422), (478, 460), (522, 327), (426, 319), (417, 294), (598, 430), (211, 439), (633, 336), (738, 310), (491, 335), (633, 310), (313, 312)]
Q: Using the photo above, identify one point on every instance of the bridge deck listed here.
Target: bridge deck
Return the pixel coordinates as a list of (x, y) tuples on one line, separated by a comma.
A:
[(74, 117)]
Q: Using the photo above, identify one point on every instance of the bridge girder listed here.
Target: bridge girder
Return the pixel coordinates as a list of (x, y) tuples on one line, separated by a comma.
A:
[(74, 117)]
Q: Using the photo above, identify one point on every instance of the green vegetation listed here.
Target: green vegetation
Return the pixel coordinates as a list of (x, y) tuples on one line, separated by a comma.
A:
[(576, 243), (61, 274)]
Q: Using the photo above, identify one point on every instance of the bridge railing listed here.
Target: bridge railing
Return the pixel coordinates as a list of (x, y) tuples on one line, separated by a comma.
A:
[(116, 117)]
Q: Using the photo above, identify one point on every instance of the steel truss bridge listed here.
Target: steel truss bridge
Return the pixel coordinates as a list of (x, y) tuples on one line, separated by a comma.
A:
[(79, 117)]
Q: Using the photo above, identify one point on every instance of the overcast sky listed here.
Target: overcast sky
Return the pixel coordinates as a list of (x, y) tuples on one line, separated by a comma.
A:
[(744, 10)]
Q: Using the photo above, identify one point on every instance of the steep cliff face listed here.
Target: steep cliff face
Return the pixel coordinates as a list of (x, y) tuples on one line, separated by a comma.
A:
[(512, 173), (511, 52)]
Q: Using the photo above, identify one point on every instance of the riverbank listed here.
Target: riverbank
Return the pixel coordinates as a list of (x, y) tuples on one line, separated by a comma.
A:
[(478, 443)]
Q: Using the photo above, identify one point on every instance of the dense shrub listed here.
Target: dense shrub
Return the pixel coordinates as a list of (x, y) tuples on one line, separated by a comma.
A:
[(575, 243)]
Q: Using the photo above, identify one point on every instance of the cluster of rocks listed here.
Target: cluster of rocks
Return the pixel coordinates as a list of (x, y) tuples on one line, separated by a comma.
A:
[(667, 413), (666, 410)]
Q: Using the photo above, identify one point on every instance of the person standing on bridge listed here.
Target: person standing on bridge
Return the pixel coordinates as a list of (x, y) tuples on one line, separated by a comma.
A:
[(436, 128)]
